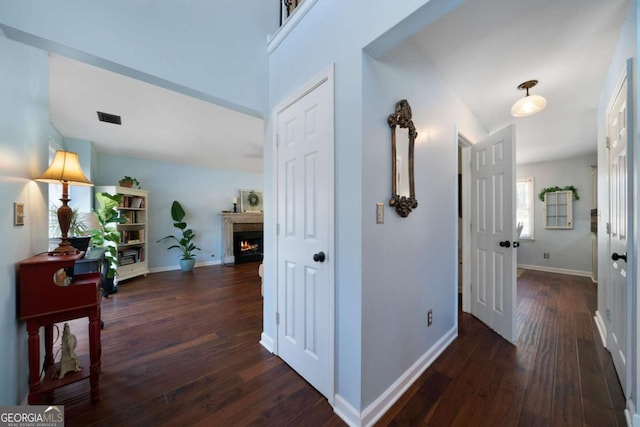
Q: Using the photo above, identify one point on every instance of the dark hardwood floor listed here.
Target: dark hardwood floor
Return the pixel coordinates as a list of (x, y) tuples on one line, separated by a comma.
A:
[(559, 374), (183, 349)]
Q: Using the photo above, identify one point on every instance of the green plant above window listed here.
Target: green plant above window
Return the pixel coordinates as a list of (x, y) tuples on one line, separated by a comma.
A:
[(556, 188)]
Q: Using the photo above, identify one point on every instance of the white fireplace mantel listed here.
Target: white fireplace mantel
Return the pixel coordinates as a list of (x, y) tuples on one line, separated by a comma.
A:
[(230, 218)]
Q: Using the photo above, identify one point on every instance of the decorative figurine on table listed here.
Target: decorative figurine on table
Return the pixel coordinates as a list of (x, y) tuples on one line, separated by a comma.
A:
[(69, 361)]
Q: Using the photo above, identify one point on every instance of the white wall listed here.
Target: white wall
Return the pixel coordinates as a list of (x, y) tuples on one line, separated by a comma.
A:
[(204, 193), (24, 138), (196, 47), (409, 264), (568, 249)]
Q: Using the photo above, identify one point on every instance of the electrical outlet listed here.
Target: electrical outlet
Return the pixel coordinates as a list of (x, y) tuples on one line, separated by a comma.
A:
[(429, 317), (545, 255), (379, 213)]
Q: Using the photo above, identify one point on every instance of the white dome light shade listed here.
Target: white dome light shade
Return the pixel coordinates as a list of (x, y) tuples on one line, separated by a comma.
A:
[(528, 105)]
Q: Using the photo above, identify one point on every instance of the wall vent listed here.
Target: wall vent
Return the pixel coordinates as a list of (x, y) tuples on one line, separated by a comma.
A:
[(109, 118)]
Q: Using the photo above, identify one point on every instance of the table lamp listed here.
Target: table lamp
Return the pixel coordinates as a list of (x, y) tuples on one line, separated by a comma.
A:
[(65, 169)]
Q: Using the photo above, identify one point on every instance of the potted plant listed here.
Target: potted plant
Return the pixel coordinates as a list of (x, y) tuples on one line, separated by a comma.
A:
[(107, 236), (129, 182), (556, 188), (185, 243)]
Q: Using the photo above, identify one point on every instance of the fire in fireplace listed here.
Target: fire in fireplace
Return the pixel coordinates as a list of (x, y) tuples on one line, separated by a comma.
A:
[(247, 246)]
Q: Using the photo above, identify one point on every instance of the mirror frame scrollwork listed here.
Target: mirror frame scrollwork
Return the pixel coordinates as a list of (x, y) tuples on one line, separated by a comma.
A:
[(402, 118)]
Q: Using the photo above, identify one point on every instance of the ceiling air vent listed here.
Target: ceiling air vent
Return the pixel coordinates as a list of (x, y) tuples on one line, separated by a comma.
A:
[(109, 118)]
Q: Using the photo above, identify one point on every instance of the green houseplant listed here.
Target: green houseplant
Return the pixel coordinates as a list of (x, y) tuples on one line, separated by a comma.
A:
[(185, 242), (129, 181), (556, 188), (107, 235)]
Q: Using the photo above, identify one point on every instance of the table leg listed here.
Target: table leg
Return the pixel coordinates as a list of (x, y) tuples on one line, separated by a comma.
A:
[(48, 347), (94, 353), (34, 361)]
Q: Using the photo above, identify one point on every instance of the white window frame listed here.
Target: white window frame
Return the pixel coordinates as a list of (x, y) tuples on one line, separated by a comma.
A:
[(526, 211)]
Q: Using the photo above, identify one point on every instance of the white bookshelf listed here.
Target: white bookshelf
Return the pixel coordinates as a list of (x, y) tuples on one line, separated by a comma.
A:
[(133, 247)]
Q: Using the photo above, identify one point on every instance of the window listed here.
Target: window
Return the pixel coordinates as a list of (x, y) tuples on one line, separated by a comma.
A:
[(558, 208), (524, 207)]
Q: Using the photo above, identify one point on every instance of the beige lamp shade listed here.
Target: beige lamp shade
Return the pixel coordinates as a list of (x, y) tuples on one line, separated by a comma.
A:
[(530, 104), (65, 167)]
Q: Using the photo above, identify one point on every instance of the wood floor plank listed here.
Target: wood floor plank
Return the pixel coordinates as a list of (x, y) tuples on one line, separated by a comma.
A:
[(183, 349), (567, 411)]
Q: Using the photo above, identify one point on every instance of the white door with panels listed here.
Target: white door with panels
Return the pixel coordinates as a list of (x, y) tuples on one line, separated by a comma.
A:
[(305, 313), (493, 244), (617, 341)]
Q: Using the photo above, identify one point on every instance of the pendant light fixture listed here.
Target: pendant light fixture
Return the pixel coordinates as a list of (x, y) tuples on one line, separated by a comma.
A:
[(530, 104)]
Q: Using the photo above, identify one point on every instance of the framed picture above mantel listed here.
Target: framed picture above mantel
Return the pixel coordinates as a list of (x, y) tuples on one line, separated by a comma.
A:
[(251, 201)]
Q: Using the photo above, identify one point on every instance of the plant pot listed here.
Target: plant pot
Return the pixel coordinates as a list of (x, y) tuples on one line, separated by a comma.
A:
[(187, 264), (80, 243), (127, 184), (109, 287)]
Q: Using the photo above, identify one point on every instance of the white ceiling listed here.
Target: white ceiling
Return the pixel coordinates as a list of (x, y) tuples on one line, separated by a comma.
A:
[(157, 123), (484, 49)]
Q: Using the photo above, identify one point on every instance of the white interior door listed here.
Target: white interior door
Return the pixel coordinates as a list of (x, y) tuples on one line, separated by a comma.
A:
[(305, 229), (493, 252), (618, 174)]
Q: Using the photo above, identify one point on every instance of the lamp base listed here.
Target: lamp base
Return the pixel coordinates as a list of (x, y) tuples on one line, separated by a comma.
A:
[(65, 214), (64, 248)]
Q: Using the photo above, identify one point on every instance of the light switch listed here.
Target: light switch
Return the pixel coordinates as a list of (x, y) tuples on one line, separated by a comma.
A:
[(379, 213)]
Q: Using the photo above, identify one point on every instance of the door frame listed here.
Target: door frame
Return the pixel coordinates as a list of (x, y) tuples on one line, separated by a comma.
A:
[(326, 76), (464, 161)]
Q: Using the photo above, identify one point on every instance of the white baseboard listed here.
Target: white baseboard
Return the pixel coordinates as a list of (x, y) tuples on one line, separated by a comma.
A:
[(602, 328), (346, 411), (630, 414), (177, 267), (556, 270), (267, 342), (381, 405)]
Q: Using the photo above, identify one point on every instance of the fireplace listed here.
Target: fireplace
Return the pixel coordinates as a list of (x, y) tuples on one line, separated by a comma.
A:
[(234, 223), (247, 246)]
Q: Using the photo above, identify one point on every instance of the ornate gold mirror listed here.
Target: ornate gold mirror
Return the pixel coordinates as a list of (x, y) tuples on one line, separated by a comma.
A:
[(403, 138)]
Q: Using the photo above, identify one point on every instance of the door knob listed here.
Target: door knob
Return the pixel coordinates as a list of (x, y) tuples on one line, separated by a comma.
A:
[(505, 244), (319, 257), (516, 244), (615, 257)]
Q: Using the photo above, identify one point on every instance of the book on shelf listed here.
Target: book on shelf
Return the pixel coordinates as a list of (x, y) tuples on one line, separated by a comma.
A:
[(131, 256), (133, 202), (131, 236), (133, 217)]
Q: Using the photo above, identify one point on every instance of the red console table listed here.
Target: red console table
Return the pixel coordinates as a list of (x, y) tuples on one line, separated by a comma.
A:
[(43, 303)]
